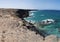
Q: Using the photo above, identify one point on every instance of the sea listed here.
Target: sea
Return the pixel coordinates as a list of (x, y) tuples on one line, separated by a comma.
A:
[(35, 17)]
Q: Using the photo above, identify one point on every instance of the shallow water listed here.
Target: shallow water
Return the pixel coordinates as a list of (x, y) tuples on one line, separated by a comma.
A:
[(37, 16)]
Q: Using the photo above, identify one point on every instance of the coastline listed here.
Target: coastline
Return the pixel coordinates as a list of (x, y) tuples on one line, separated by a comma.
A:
[(16, 29)]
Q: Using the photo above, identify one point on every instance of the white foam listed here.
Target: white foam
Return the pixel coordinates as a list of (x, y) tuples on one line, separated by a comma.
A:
[(31, 14), (49, 21), (32, 21)]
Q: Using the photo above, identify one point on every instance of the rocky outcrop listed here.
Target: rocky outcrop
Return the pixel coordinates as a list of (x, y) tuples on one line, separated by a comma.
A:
[(14, 28), (51, 38), (15, 12)]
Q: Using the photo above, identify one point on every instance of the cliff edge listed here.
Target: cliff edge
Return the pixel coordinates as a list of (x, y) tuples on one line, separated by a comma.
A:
[(13, 28)]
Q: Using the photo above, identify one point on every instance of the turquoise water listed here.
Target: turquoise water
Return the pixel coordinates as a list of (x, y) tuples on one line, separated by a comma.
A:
[(37, 16)]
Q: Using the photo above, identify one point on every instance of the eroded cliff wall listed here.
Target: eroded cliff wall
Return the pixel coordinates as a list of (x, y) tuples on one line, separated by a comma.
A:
[(13, 28)]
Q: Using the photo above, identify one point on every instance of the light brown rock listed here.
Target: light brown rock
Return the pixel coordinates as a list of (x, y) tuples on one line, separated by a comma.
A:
[(51, 38), (12, 30)]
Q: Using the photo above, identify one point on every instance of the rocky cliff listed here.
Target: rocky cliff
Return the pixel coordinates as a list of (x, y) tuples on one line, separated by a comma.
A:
[(13, 28)]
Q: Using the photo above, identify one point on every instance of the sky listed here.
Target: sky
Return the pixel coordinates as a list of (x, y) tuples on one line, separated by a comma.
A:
[(31, 4)]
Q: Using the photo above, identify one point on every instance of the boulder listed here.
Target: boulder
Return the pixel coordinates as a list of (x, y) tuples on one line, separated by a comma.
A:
[(51, 38)]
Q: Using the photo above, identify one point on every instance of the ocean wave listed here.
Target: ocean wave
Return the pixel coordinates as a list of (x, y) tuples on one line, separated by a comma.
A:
[(31, 14), (47, 21)]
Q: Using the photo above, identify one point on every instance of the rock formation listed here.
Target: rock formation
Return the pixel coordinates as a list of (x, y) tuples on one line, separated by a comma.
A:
[(13, 28)]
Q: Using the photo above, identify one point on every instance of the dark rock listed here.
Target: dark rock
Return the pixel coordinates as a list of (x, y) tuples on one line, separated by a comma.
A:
[(22, 13)]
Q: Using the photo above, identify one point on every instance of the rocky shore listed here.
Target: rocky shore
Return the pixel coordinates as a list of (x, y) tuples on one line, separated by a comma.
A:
[(13, 28)]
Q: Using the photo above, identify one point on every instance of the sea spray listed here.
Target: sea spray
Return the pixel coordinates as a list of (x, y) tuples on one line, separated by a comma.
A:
[(38, 16)]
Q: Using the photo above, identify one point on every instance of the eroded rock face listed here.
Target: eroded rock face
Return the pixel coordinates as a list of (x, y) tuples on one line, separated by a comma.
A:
[(21, 13), (13, 29)]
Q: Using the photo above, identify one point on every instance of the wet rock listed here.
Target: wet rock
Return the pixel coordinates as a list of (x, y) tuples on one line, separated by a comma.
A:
[(22, 13)]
